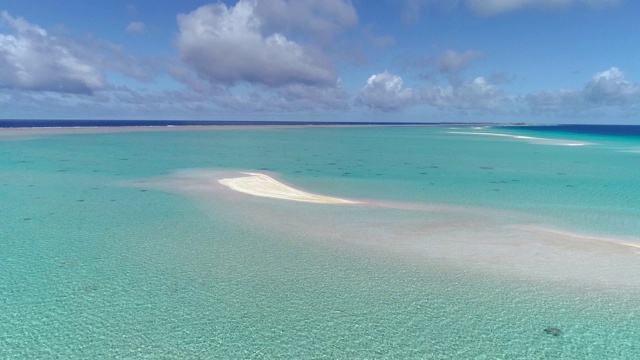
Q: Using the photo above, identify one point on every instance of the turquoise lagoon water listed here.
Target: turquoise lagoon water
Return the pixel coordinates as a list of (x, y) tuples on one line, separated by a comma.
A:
[(99, 261)]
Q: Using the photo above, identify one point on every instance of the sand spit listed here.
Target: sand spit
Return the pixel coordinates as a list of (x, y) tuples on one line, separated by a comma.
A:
[(568, 236), (482, 238), (265, 186), (530, 139)]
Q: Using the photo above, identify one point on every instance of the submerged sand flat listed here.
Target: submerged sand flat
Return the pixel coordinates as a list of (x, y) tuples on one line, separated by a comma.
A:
[(265, 186), (486, 239)]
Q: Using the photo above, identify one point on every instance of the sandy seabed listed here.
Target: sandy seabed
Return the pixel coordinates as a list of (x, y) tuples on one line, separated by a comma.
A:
[(484, 239)]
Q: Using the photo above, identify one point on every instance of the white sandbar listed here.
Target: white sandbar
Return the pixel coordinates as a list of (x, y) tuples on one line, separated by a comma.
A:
[(263, 185), (531, 139)]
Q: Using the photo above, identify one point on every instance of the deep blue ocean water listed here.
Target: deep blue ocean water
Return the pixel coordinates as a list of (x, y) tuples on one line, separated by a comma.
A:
[(606, 130)]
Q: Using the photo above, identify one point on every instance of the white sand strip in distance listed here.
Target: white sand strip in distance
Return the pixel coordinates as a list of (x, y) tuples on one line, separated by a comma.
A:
[(263, 185), (530, 139)]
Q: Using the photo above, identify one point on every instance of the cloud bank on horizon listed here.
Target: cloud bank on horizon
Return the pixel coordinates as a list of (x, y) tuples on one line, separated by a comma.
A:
[(398, 60)]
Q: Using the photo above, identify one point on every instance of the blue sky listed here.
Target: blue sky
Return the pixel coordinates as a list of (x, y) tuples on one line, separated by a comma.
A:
[(539, 61)]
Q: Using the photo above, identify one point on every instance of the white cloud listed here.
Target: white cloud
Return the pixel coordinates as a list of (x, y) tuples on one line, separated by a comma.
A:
[(136, 27), (32, 59), (608, 88), (226, 45), (386, 92), (478, 94), (322, 19), (495, 7), (238, 56)]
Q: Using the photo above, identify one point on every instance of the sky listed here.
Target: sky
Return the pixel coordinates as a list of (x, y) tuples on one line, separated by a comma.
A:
[(534, 61)]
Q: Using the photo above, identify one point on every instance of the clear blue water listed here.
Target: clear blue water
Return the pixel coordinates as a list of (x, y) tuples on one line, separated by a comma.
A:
[(92, 267)]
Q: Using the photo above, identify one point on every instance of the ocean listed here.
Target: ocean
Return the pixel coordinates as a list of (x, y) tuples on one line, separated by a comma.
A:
[(478, 242)]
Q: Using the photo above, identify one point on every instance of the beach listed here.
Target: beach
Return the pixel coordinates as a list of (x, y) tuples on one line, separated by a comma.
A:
[(265, 186)]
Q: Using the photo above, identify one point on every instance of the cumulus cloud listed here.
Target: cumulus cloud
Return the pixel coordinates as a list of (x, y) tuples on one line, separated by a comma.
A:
[(33, 59), (243, 57), (226, 45), (608, 88), (478, 94), (495, 7), (136, 27), (321, 19), (386, 92)]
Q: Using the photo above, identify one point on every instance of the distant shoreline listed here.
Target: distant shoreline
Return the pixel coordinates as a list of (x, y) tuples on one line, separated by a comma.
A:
[(29, 129), (13, 124), (31, 132), (21, 133)]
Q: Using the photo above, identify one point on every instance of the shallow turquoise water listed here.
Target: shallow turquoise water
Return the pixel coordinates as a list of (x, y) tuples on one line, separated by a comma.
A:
[(92, 268)]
